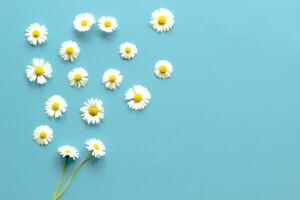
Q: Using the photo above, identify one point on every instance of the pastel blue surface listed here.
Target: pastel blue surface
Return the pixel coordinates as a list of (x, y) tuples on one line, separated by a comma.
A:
[(225, 126)]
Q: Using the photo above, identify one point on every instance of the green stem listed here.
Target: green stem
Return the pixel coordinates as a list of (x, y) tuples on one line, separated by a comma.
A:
[(73, 174), (61, 179)]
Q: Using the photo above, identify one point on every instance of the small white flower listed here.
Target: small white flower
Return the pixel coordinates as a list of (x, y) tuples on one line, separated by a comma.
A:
[(107, 24), (68, 151), (69, 51), (112, 78), (92, 111), (43, 135), (163, 69), (138, 97), (84, 22), (96, 147), (55, 106), (127, 50), (36, 34), (39, 71), (78, 77), (162, 20)]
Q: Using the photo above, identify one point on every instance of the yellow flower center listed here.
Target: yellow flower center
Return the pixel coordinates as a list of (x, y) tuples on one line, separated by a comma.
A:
[(55, 106), (127, 49), (96, 147), (77, 77), (137, 97), (69, 50), (43, 135), (84, 22), (38, 70), (163, 69), (112, 78), (93, 110), (162, 20), (36, 33), (107, 24), (68, 151)]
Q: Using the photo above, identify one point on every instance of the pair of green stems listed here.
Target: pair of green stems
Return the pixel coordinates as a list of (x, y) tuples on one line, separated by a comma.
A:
[(58, 195)]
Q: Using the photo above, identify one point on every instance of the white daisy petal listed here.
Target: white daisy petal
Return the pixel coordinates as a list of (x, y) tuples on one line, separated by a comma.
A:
[(69, 51), (43, 135), (163, 69), (107, 24), (162, 20), (96, 147), (92, 112), (128, 50), (112, 78), (36, 34), (78, 77), (55, 106), (84, 22), (39, 71), (68, 151), (138, 97)]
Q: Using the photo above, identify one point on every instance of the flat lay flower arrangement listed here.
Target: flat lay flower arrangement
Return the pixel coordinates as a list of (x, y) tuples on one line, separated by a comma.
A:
[(92, 110)]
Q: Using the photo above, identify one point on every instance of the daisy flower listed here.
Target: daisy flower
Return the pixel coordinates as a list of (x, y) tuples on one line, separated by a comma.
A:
[(162, 20), (127, 50), (163, 69), (39, 71), (84, 22), (78, 77), (112, 78), (55, 106), (68, 151), (92, 111), (138, 97), (96, 147), (36, 34), (43, 135), (107, 24), (69, 51)]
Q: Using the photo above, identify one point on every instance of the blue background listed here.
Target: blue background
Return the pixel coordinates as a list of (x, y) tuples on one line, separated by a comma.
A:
[(225, 126)]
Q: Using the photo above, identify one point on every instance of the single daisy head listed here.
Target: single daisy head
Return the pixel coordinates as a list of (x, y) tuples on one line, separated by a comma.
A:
[(39, 71), (36, 34), (107, 24), (162, 20), (43, 135), (55, 106), (92, 111), (163, 69), (127, 50), (96, 147), (112, 78), (84, 22), (68, 151), (78, 77), (138, 97), (69, 51)]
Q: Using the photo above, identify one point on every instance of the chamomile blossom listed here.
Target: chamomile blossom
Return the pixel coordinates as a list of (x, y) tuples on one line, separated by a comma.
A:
[(92, 112), (68, 151), (43, 135), (96, 147), (84, 22), (69, 51), (112, 78), (55, 106), (78, 77), (138, 97), (163, 69), (36, 34), (162, 20), (39, 71), (107, 24), (128, 50)]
